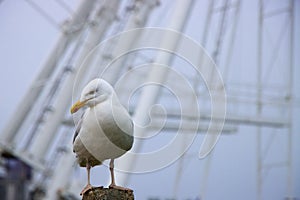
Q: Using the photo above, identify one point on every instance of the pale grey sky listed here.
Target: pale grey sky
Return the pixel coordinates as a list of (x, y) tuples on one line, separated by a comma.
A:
[(26, 39)]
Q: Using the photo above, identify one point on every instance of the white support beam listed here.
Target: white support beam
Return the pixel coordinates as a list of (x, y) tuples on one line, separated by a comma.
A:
[(266, 121)]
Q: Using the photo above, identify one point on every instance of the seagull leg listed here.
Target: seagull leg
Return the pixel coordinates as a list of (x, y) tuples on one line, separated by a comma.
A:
[(111, 168), (88, 186), (113, 183)]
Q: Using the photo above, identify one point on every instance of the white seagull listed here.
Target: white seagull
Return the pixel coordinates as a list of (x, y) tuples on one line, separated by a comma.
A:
[(105, 130)]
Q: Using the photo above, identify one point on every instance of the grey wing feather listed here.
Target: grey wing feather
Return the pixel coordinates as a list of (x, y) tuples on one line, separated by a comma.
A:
[(78, 127)]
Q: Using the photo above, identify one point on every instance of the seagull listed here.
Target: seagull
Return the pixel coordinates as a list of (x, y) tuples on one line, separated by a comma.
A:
[(105, 130)]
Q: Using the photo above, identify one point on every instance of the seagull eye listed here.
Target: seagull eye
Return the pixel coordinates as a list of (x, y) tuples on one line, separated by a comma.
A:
[(91, 92)]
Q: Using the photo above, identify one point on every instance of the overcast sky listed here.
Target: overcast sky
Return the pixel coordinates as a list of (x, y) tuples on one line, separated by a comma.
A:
[(26, 39)]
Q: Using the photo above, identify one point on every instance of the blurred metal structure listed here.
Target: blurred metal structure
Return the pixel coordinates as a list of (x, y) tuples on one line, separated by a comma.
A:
[(157, 74), (227, 25), (70, 31), (268, 55), (51, 92)]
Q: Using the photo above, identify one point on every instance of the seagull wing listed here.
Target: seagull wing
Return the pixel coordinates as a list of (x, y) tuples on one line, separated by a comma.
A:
[(78, 127), (118, 128)]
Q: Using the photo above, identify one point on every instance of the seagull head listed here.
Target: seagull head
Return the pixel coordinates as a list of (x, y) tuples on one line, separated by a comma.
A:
[(95, 92)]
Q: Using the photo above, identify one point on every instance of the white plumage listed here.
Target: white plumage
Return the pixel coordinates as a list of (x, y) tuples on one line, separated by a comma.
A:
[(105, 130)]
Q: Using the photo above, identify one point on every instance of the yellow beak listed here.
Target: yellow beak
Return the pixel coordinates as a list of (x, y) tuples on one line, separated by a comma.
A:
[(77, 106)]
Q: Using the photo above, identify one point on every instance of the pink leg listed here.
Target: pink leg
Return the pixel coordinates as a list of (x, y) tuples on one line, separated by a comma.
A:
[(113, 183), (88, 186), (111, 168)]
